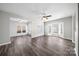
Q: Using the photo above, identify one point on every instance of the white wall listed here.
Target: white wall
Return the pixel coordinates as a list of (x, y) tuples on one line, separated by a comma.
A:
[(76, 30), (29, 28), (13, 28), (73, 27), (67, 26), (37, 27)]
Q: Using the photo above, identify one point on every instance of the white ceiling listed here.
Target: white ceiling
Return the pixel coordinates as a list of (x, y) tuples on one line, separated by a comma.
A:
[(30, 10)]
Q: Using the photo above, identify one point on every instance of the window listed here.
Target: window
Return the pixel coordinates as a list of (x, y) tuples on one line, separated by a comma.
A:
[(18, 29)]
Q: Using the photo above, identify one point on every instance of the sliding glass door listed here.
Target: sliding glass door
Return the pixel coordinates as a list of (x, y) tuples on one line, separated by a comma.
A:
[(56, 29)]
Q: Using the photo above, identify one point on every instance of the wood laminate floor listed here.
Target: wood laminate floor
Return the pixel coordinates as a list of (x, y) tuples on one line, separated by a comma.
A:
[(39, 46)]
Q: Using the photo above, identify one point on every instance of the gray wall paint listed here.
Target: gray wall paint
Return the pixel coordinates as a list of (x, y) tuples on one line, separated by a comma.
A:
[(67, 26), (5, 25)]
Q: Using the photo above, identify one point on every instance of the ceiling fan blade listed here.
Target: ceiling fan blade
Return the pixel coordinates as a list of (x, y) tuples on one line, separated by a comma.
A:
[(49, 16)]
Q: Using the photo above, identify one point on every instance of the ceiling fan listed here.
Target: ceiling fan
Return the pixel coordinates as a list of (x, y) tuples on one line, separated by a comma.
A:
[(46, 17), (43, 13)]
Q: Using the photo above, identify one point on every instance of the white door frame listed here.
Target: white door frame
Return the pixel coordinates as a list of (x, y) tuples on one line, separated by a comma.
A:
[(59, 27)]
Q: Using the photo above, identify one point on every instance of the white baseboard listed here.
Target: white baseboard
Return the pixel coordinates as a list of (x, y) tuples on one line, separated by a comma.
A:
[(5, 43), (76, 52)]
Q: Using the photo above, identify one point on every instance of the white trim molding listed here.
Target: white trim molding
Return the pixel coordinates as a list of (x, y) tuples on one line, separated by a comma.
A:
[(5, 43), (76, 52), (73, 41)]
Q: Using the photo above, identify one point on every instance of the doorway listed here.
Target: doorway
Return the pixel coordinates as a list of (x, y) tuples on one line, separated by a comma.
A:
[(56, 29)]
